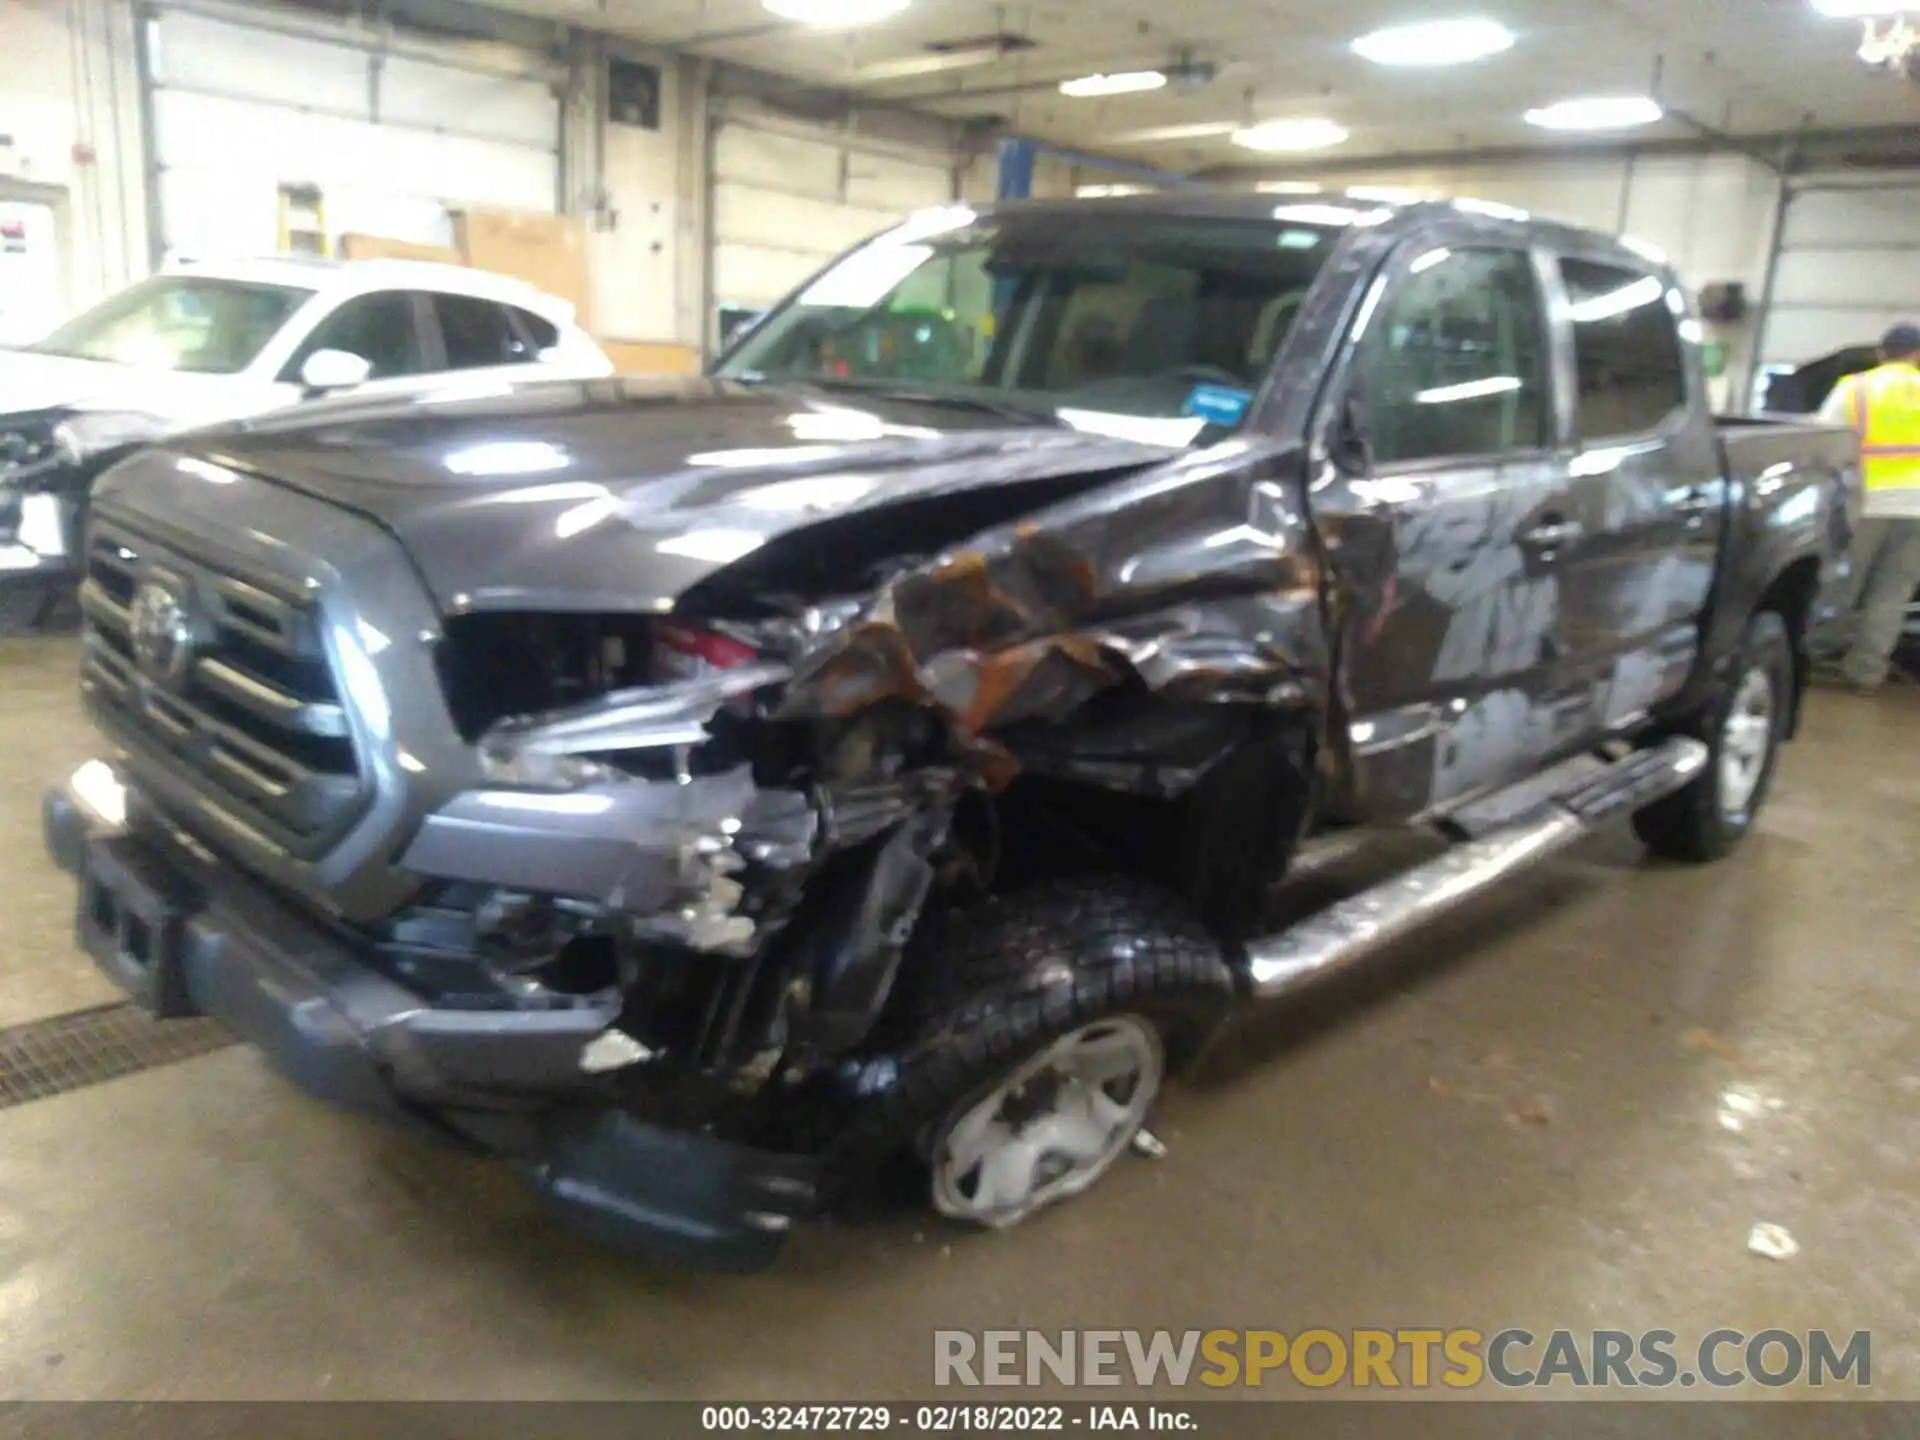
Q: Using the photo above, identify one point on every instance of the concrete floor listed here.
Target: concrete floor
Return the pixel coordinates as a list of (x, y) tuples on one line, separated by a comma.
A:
[(1517, 1121)]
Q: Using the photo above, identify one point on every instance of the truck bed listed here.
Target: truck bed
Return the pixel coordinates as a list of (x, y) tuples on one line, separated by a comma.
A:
[(1754, 445)]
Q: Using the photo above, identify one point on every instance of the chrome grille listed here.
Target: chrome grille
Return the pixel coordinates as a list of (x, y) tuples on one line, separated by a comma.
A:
[(250, 706)]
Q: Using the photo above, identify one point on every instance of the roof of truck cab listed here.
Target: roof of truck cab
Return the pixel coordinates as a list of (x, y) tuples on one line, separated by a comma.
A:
[(1326, 207), (340, 278)]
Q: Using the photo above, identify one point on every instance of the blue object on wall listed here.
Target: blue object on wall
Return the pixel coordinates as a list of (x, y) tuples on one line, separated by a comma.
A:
[(1016, 168)]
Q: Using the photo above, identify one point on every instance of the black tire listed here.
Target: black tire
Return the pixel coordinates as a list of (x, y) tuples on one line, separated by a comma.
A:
[(1006, 980), (22, 606), (1700, 823)]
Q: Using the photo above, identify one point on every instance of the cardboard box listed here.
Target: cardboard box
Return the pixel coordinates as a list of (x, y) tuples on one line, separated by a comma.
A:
[(379, 247), (547, 251), (651, 357)]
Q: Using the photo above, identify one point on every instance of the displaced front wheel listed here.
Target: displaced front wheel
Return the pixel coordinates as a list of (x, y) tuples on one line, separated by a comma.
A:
[(1051, 1127), (1743, 726), (1048, 1022)]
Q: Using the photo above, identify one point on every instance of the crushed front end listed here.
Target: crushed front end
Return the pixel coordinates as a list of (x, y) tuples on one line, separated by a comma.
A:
[(623, 896)]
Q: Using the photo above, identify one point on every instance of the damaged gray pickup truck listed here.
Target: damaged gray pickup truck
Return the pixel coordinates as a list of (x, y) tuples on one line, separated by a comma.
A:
[(703, 793)]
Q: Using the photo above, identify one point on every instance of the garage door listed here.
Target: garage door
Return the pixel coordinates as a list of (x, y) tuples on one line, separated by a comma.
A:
[(785, 203), (387, 141), (1849, 268)]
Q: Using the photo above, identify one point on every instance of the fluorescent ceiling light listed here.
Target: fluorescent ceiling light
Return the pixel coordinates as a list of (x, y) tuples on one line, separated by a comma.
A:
[(1861, 9), (1288, 187), (835, 14), (1126, 82), (1313, 134), (1435, 42), (1597, 112), (1199, 130)]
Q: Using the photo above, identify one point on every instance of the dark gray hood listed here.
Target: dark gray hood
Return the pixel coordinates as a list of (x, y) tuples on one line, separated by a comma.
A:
[(621, 494)]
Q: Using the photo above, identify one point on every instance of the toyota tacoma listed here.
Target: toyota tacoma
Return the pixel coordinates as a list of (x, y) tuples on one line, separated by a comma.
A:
[(703, 793)]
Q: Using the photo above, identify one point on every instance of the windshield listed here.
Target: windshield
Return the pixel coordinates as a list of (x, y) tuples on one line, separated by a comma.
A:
[(1155, 327), (179, 322)]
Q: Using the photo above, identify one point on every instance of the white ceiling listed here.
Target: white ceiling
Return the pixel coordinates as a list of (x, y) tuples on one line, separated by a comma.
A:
[(1744, 66)]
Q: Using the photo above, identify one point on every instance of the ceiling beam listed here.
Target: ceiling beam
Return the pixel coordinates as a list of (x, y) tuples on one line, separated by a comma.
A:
[(1794, 150)]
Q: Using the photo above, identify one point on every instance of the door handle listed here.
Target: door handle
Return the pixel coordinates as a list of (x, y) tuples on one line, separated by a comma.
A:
[(1553, 533)]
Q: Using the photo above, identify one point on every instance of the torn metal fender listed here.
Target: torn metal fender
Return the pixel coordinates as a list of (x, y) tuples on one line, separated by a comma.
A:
[(1199, 578)]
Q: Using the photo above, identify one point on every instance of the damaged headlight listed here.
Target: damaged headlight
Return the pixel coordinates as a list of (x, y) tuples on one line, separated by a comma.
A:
[(93, 432), (563, 750), (521, 769)]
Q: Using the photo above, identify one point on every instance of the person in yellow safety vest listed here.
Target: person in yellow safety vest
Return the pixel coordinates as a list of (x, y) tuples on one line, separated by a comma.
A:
[(1883, 406)]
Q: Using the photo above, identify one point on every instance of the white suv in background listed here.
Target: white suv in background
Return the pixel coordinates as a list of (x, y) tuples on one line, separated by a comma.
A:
[(204, 343)]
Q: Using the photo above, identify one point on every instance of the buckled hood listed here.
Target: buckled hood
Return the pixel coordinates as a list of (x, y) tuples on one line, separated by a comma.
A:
[(621, 495)]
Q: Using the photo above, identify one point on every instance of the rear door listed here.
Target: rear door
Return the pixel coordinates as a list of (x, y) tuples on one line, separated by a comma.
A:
[(1450, 659), (1648, 496)]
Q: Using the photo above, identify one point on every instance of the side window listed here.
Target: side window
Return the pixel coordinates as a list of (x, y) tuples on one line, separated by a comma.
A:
[(539, 331), (379, 328), (1627, 346), (1455, 365), (479, 333)]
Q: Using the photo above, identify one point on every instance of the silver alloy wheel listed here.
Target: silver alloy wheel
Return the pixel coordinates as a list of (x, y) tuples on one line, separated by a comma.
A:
[(1052, 1127), (1745, 741)]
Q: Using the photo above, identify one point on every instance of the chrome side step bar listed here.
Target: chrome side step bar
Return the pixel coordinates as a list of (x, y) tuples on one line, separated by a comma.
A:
[(1357, 927)]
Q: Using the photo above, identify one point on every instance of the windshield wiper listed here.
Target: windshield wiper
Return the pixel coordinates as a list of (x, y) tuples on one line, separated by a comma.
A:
[(946, 399)]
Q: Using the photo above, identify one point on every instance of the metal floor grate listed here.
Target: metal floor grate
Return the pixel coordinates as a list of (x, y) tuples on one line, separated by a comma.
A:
[(86, 1047)]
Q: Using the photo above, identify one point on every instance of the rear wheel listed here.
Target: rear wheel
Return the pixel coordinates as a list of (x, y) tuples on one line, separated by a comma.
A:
[(1743, 726)]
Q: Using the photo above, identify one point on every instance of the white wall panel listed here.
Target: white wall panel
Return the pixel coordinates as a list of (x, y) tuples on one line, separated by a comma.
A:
[(785, 204), (240, 111), (777, 162), (780, 221), (1848, 278), (439, 97), (1849, 268), (198, 53), (1855, 215), (68, 89)]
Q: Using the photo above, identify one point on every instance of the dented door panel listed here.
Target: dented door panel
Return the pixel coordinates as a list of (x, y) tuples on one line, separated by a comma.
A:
[(1449, 635)]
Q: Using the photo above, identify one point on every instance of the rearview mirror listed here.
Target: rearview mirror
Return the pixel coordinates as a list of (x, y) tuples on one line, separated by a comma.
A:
[(334, 370)]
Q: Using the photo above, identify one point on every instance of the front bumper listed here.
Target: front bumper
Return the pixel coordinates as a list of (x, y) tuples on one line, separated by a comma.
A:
[(186, 936)]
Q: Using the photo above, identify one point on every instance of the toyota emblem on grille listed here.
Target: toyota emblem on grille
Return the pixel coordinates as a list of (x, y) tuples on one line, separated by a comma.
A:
[(162, 630)]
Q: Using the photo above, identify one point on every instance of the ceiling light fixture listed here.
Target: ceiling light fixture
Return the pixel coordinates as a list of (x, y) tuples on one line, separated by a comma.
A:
[(1310, 134), (835, 14), (1435, 42), (1597, 112), (1125, 82), (1861, 9), (1199, 130)]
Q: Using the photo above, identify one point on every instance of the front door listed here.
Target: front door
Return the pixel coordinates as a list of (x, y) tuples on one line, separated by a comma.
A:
[(1448, 534)]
